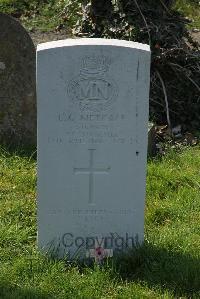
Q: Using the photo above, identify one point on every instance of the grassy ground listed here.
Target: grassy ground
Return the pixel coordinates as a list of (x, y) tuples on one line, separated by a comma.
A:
[(191, 9), (50, 14), (167, 266), (42, 15)]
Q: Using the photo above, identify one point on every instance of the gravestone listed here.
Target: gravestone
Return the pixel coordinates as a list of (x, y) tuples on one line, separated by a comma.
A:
[(17, 84), (92, 145)]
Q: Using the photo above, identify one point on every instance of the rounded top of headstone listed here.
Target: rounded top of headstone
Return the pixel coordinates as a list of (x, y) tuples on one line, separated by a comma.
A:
[(92, 42), (11, 26)]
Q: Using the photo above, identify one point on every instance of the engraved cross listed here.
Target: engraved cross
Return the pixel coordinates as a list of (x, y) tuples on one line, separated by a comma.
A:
[(91, 171)]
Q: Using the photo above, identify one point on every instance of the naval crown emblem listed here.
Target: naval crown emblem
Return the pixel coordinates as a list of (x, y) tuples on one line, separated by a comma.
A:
[(93, 90)]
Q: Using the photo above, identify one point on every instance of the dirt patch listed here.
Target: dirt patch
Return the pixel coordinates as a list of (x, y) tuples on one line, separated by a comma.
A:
[(43, 37), (196, 36)]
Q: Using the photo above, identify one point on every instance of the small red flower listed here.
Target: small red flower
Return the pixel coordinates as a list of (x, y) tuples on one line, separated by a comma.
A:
[(99, 252)]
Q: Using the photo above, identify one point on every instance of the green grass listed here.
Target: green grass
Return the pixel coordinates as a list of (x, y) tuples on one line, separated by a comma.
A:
[(191, 9), (166, 266), (42, 15)]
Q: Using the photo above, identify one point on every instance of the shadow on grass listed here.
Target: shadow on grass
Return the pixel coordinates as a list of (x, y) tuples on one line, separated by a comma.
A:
[(155, 266), (21, 151), (9, 291)]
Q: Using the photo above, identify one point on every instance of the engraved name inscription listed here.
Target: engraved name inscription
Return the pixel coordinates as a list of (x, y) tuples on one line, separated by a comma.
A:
[(65, 116)]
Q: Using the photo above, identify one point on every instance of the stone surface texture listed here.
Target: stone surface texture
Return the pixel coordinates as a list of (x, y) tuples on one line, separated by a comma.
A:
[(17, 84), (93, 97)]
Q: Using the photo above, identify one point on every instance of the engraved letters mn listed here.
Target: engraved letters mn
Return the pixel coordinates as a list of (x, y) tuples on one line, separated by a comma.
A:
[(93, 90)]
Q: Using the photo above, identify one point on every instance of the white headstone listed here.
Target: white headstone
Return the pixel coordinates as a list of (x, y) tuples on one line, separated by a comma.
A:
[(93, 99)]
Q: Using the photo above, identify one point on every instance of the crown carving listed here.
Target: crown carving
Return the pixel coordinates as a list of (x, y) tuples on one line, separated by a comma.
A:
[(95, 65)]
